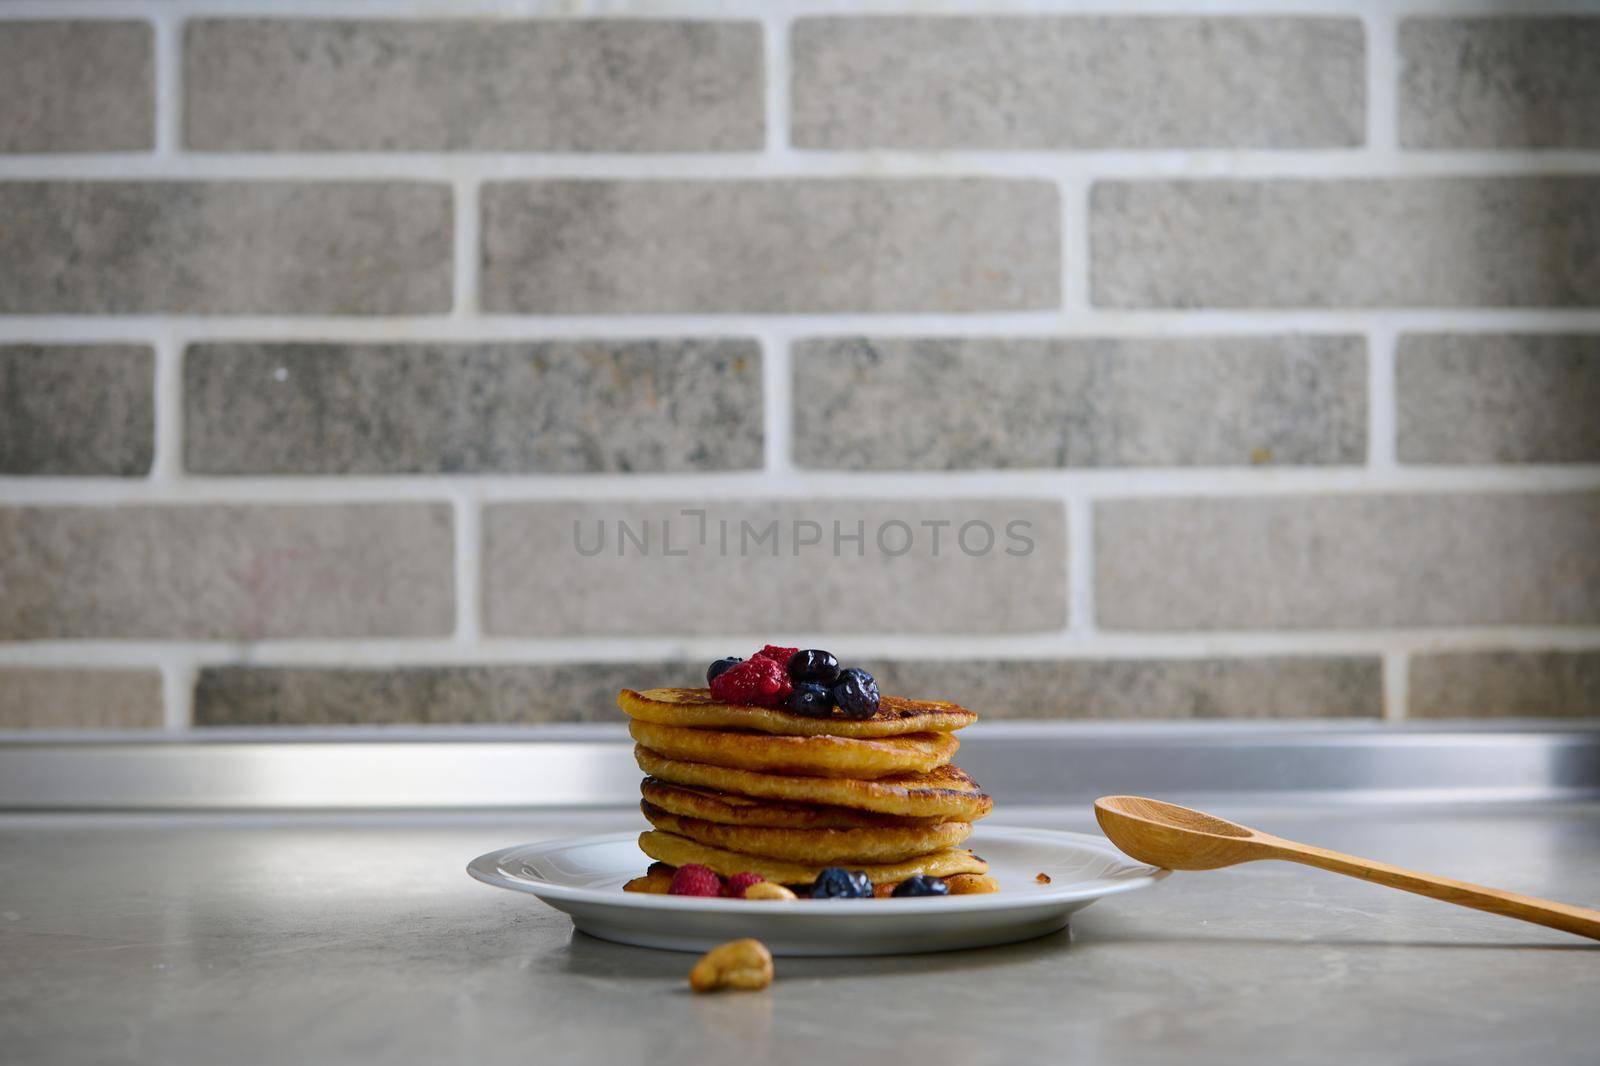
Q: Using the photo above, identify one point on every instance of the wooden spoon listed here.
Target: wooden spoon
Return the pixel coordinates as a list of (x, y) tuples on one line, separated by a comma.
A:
[(1177, 838)]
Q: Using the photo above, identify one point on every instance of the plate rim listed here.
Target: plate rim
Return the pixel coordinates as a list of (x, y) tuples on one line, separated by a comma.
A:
[(487, 869)]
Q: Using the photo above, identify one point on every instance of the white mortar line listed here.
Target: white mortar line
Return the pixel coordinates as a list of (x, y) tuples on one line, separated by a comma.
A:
[(734, 9), (1382, 399), (1115, 483), (1396, 679), (1383, 75), (777, 404), (1060, 644), (1080, 566), (1081, 166), (464, 305), (468, 511), (166, 466), (167, 36), (1090, 322), (775, 67), (1075, 246), (178, 675)]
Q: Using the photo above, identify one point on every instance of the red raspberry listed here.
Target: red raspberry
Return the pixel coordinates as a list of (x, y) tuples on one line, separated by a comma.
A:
[(692, 879), (781, 656), (739, 882), (759, 682)]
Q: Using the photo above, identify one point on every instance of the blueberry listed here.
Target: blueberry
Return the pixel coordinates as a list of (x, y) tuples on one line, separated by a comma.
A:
[(921, 885), (856, 693), (814, 664), (838, 883), (719, 666), (811, 700)]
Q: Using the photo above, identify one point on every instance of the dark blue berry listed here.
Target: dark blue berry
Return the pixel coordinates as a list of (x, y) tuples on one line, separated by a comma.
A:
[(811, 700), (838, 883), (718, 667), (921, 885), (856, 693), (814, 664)]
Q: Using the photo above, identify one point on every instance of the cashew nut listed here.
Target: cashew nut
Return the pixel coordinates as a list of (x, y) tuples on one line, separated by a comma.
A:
[(743, 964), (768, 890)]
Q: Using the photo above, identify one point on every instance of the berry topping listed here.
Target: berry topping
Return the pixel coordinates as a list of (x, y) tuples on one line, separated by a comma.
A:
[(856, 693), (838, 883), (814, 664), (922, 885), (739, 882), (757, 681), (781, 656), (811, 700), (719, 666), (692, 879)]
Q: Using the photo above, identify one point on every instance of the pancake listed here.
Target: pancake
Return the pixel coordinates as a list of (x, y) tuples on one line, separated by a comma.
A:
[(942, 793), (695, 709), (726, 808), (668, 847), (806, 756), (818, 847)]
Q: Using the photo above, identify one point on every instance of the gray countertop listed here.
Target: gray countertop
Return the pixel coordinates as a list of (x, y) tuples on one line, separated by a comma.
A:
[(309, 939)]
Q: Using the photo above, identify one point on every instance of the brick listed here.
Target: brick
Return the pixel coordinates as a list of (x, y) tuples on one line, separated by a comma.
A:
[(1498, 398), (879, 403), (1042, 83), (77, 86), (226, 572), (1347, 561), (1415, 242), (111, 247), (76, 409), (574, 247), (1122, 689), (1127, 689), (1505, 684), (555, 85), (1500, 82), (550, 407), (567, 568), (65, 698), (428, 695)]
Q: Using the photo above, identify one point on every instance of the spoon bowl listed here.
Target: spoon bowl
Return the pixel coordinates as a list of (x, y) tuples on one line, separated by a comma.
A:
[(1174, 837)]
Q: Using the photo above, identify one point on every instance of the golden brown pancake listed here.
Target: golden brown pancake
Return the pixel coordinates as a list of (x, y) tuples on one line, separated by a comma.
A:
[(806, 756), (695, 709), (946, 792), (668, 847), (819, 847), (726, 808)]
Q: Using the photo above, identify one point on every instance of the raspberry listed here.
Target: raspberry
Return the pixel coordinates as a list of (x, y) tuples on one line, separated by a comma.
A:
[(781, 656), (739, 882), (761, 682), (692, 879)]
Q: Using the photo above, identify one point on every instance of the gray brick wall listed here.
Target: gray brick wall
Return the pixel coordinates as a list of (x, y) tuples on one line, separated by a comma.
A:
[(328, 337), (575, 247), (77, 409), (552, 407), (77, 86), (939, 83)]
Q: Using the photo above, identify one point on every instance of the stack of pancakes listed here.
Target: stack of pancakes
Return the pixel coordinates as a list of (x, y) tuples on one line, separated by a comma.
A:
[(783, 795)]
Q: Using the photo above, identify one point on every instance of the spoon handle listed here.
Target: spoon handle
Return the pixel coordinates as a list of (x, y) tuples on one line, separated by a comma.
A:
[(1563, 916)]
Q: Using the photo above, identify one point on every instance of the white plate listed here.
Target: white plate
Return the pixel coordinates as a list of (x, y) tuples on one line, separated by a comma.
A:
[(584, 876)]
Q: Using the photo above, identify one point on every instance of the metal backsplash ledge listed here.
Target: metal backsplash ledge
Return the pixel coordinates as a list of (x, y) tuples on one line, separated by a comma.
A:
[(1032, 763)]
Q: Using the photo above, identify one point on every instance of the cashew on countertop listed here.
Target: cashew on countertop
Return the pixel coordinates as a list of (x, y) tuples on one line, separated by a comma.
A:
[(741, 964)]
